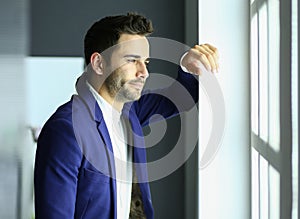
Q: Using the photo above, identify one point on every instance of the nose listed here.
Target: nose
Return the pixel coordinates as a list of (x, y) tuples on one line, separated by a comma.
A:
[(142, 71)]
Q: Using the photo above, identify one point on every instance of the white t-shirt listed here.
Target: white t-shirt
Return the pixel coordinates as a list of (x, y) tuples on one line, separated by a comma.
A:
[(122, 154)]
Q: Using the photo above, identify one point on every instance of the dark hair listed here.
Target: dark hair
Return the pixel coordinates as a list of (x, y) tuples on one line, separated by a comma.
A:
[(106, 32)]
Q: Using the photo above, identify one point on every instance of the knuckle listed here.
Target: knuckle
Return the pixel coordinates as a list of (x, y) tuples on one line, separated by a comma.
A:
[(203, 56), (197, 47), (209, 56)]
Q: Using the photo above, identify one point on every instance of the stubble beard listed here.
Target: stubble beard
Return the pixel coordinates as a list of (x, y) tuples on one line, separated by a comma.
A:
[(118, 88)]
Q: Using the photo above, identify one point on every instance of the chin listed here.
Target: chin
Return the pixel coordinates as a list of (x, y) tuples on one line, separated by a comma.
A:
[(128, 95), (133, 97), (139, 97)]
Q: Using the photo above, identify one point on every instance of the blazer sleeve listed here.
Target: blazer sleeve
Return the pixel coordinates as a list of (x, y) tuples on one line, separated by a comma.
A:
[(181, 96), (58, 158)]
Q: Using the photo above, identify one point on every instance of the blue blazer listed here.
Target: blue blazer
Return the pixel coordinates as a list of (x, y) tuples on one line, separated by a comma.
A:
[(74, 166)]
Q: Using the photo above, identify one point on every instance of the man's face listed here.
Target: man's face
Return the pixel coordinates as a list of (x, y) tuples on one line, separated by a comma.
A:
[(128, 68)]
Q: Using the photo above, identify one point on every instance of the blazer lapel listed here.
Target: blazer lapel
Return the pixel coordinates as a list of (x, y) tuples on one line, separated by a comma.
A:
[(103, 132), (102, 154), (141, 199)]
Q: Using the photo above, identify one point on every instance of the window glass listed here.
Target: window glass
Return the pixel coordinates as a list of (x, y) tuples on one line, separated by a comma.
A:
[(274, 179), (254, 184), (254, 75), (264, 187), (263, 73), (274, 36)]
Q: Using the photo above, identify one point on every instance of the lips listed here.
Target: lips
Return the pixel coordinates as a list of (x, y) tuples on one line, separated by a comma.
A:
[(136, 84)]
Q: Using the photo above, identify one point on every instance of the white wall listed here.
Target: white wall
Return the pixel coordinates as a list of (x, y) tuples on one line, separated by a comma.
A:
[(225, 183)]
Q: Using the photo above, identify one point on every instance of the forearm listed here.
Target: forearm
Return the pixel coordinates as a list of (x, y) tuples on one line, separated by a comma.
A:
[(181, 96)]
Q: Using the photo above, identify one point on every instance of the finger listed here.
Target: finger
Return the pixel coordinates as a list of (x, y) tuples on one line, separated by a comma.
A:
[(216, 54), (209, 57), (213, 51), (204, 60), (212, 48), (207, 48)]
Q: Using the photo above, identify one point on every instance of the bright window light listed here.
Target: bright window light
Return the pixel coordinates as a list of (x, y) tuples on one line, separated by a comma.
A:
[(264, 187), (254, 74), (274, 179), (263, 72), (274, 35), (295, 99), (255, 184)]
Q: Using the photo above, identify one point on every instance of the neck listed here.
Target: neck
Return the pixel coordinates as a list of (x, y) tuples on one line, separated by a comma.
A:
[(117, 105), (98, 84)]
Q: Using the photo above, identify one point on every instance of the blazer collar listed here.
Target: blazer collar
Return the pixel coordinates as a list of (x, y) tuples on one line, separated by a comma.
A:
[(88, 98), (96, 114)]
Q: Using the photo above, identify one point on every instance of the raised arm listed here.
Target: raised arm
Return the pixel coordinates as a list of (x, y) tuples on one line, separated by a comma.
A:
[(182, 95)]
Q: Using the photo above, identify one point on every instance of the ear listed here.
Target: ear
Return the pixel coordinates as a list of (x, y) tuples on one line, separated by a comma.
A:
[(97, 63)]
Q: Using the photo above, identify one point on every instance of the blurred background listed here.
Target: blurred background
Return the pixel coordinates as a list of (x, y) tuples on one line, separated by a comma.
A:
[(254, 174), (41, 56)]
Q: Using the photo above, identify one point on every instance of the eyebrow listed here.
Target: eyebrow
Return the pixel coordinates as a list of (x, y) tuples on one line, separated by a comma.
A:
[(133, 56)]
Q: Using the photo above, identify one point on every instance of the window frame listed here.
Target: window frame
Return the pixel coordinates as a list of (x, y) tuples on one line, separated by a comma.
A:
[(281, 160)]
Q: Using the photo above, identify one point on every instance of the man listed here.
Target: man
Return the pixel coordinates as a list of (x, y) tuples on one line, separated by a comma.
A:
[(90, 159)]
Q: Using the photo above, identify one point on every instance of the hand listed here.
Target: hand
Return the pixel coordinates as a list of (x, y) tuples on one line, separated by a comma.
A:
[(206, 55)]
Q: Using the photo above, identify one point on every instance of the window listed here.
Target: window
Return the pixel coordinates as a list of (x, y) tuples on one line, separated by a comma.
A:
[(295, 109), (274, 109)]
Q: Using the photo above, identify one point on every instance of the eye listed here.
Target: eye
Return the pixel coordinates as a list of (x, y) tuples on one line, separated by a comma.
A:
[(131, 60)]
